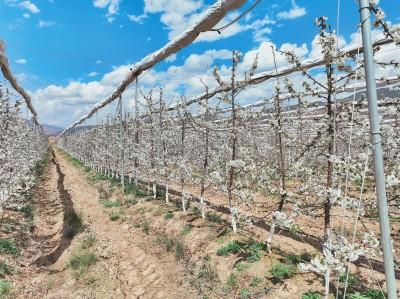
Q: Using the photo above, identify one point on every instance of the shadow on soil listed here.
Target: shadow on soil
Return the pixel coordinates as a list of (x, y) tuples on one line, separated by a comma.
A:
[(72, 224)]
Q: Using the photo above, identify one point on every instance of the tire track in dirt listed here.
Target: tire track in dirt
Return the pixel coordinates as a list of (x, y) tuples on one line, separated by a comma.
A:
[(141, 275), (52, 205), (69, 215)]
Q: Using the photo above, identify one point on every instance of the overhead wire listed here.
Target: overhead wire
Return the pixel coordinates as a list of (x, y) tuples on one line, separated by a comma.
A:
[(220, 29)]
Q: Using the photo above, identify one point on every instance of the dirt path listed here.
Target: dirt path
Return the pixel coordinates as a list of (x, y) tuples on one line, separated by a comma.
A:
[(123, 269)]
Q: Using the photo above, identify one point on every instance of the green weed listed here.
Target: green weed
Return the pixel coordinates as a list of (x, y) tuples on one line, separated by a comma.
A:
[(214, 217), (245, 293), (5, 269), (232, 280), (88, 241), (9, 247), (311, 295), (282, 271), (186, 230), (110, 204), (81, 261), (5, 288), (233, 247), (207, 272), (255, 281), (168, 215), (114, 216), (253, 252)]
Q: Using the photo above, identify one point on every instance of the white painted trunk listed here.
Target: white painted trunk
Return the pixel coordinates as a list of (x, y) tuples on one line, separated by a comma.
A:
[(154, 190), (326, 252), (183, 204), (327, 280), (234, 224), (270, 236), (166, 194), (202, 208)]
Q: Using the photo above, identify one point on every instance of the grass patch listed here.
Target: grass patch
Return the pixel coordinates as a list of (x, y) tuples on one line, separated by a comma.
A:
[(214, 217), (40, 165), (28, 211), (240, 267), (245, 293), (110, 204), (88, 241), (179, 250), (352, 280), (81, 261), (311, 295), (294, 259), (9, 247), (134, 190), (186, 230), (5, 288), (357, 289), (233, 247), (146, 228), (168, 215), (206, 272), (282, 271), (196, 211), (130, 202), (255, 281), (141, 211), (231, 281), (175, 245), (114, 216), (254, 251), (5, 269), (374, 294), (103, 193), (166, 242)]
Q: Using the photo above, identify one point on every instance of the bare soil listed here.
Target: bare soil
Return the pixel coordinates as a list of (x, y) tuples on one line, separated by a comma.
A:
[(123, 270), (140, 253)]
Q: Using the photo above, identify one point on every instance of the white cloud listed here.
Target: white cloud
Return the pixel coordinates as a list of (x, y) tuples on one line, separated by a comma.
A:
[(177, 15), (57, 104), (23, 77), (137, 19), (43, 24), (77, 98), (293, 13), (21, 61), (98, 61), (26, 5), (171, 58), (260, 34), (112, 8), (93, 74), (26, 16)]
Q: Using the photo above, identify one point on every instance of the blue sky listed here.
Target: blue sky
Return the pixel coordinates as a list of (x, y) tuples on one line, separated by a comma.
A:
[(70, 54)]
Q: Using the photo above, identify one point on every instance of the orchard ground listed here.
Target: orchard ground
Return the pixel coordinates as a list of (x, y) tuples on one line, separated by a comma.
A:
[(81, 238)]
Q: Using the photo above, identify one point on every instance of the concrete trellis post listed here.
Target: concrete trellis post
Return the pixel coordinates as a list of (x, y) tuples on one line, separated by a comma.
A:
[(136, 173), (122, 145), (377, 149)]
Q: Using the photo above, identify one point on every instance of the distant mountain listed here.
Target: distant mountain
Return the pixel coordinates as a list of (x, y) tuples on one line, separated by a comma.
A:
[(52, 130)]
